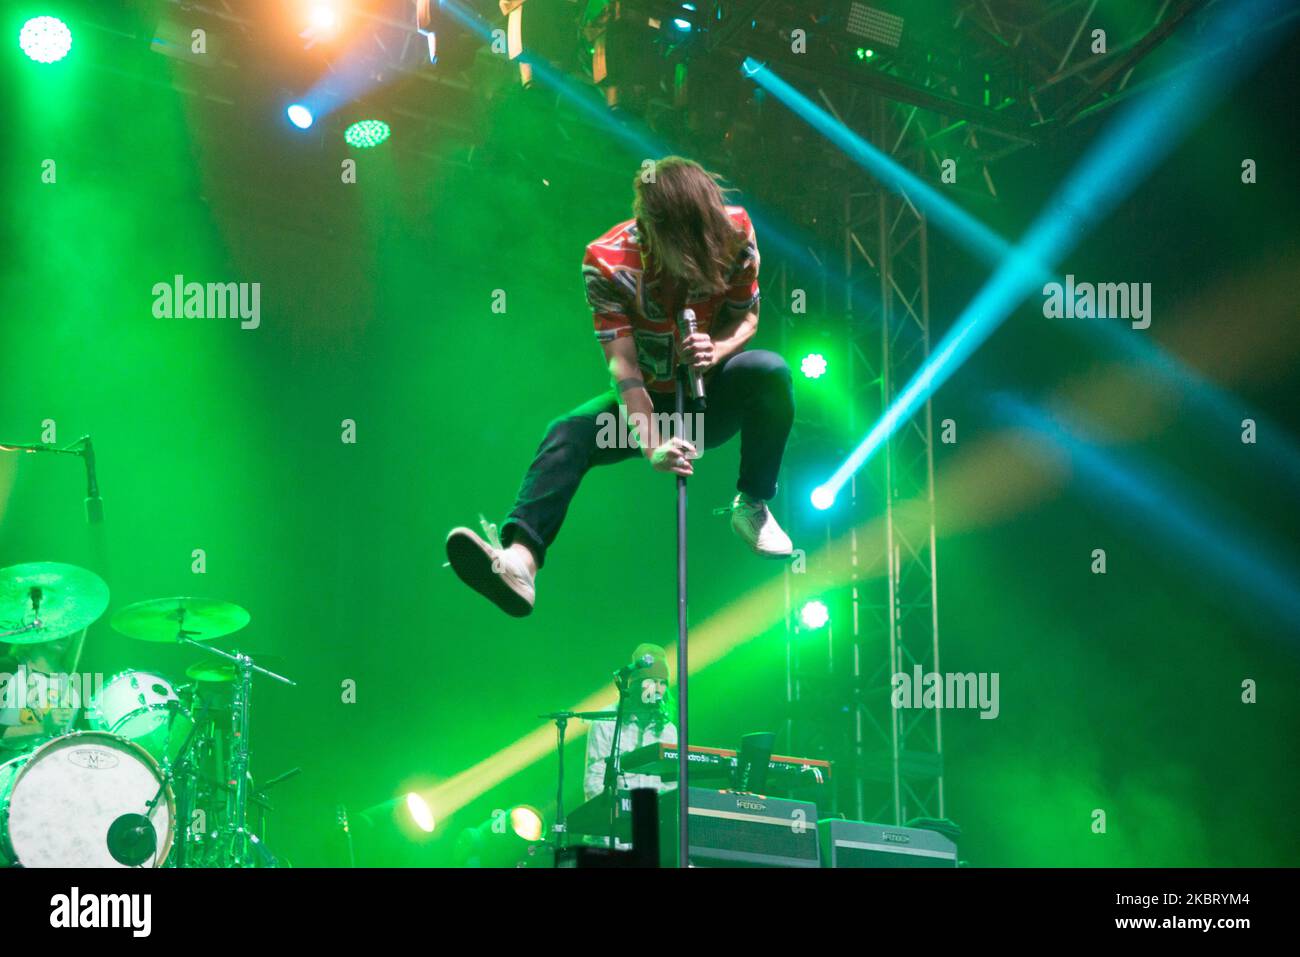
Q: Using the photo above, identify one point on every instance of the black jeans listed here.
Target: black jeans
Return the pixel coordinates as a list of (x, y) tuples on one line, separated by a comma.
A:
[(748, 392)]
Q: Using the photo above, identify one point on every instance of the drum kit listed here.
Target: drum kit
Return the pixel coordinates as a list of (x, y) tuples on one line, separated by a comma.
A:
[(159, 776)]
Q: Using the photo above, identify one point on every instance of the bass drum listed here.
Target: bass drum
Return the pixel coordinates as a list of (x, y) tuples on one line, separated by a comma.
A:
[(79, 801)]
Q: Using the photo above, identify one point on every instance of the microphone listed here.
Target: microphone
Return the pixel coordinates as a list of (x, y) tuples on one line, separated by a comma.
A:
[(694, 378), (132, 839), (94, 504), (645, 661)]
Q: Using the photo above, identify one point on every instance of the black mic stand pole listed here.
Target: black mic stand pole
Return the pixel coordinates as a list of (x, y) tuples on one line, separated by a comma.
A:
[(614, 763), (561, 828), (683, 785)]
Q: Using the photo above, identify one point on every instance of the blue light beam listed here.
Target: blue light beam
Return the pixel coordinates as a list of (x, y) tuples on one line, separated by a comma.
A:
[(1132, 146)]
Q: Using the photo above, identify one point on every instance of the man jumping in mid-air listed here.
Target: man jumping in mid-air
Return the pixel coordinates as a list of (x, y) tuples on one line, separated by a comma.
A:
[(684, 248)]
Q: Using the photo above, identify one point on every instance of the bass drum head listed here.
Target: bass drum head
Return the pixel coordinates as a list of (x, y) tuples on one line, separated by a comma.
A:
[(58, 803)]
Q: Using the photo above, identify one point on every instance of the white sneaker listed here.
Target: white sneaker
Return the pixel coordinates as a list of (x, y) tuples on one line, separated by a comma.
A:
[(496, 573), (753, 521)]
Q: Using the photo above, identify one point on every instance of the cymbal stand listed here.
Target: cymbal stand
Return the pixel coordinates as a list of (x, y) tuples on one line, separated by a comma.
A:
[(240, 846)]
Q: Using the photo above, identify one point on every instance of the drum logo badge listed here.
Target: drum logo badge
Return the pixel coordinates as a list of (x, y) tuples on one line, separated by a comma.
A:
[(93, 759)]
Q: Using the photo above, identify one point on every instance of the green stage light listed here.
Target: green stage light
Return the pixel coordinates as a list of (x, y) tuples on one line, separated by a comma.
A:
[(814, 615), (364, 134), (865, 53), (813, 365), (45, 39), (420, 812)]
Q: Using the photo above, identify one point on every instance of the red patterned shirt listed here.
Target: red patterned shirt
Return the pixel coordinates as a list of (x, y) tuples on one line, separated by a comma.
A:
[(626, 300)]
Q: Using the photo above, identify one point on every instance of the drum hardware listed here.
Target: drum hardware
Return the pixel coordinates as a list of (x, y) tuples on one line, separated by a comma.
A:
[(207, 672), (278, 779), (168, 620), (48, 601), (257, 853), (183, 763), (182, 621), (241, 845)]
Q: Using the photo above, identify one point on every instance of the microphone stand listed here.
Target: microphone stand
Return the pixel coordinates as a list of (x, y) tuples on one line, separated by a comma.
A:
[(614, 763), (94, 508), (84, 449), (683, 786), (561, 827)]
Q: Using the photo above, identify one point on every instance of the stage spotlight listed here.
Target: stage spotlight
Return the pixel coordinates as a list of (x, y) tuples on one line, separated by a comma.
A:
[(526, 822), (682, 24), (506, 839), (322, 21), (872, 24), (813, 365), (300, 116), (420, 812), (45, 39), (365, 134), (822, 498), (322, 17), (394, 832), (814, 615)]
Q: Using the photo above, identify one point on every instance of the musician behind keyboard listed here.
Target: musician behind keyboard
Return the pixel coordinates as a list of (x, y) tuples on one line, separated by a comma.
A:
[(646, 721)]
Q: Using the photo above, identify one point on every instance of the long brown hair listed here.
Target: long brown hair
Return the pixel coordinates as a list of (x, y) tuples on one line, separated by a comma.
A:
[(682, 216)]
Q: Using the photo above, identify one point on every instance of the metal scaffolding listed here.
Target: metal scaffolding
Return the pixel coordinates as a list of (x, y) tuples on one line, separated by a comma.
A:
[(875, 553), (879, 564)]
